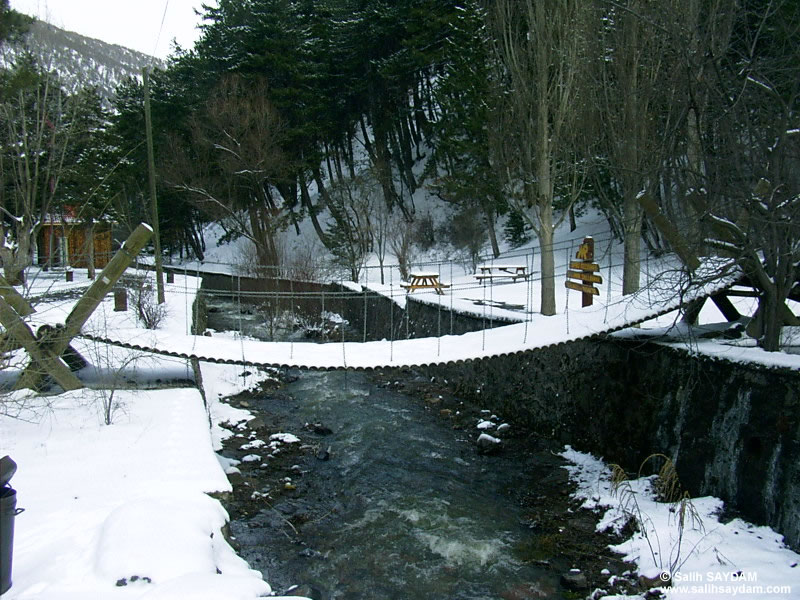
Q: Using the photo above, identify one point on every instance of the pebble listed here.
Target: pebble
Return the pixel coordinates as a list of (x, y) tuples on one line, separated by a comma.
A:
[(305, 591), (486, 443), (574, 580), (255, 423)]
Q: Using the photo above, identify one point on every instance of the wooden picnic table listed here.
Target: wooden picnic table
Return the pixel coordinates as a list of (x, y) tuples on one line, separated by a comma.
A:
[(492, 272), (420, 281)]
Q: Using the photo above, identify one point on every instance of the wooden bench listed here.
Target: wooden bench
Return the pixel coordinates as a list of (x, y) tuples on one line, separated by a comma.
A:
[(421, 281), (492, 272)]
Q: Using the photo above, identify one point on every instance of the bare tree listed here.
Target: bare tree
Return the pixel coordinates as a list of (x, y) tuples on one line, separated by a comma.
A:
[(739, 163), (353, 206), (702, 38), (633, 92), (233, 162), (36, 133), (401, 243), (765, 241), (542, 55), (381, 232), (753, 170)]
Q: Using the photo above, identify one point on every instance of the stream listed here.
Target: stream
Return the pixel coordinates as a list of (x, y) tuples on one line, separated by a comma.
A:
[(402, 507), (382, 498)]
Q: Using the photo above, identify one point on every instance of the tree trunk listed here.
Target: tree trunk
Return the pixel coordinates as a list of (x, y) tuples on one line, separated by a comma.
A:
[(50, 247), (490, 221), (367, 143), (337, 163), (328, 162), (263, 238), (196, 242), (90, 249), (548, 296), (771, 321), (312, 210), (403, 167), (348, 149), (632, 226), (16, 260), (13, 272)]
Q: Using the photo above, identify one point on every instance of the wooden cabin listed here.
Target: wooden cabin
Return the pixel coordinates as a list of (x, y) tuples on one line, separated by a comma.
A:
[(62, 242)]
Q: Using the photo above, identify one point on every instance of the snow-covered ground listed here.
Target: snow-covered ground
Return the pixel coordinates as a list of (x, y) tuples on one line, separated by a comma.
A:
[(123, 509), (702, 558)]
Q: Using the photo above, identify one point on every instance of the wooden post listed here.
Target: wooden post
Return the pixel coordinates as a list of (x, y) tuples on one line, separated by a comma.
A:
[(41, 357), (120, 299), (108, 278), (17, 301), (588, 249), (584, 272), (151, 167), (93, 296)]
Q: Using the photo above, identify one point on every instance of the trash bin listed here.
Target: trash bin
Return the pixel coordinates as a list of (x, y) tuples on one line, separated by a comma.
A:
[(8, 510)]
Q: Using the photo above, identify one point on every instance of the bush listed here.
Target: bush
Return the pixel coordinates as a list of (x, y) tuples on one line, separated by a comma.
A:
[(148, 311)]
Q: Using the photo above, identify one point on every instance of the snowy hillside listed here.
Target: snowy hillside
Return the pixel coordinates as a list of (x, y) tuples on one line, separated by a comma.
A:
[(81, 61)]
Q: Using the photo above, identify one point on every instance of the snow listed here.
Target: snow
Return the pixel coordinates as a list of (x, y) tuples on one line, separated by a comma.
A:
[(488, 440), (706, 559), (286, 438), (129, 502), (108, 502), (123, 510)]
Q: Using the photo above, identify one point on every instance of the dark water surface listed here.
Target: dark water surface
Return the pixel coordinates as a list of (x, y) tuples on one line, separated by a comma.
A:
[(403, 508)]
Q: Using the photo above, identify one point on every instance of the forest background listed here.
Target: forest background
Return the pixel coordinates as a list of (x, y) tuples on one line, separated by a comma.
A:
[(518, 114)]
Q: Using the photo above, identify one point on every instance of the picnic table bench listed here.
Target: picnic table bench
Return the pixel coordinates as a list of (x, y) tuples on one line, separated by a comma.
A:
[(492, 272), (419, 281)]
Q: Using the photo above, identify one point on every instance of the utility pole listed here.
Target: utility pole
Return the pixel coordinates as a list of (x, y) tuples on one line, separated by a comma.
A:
[(151, 167)]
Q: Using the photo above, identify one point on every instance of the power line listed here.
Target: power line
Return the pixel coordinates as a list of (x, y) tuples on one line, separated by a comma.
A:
[(161, 27)]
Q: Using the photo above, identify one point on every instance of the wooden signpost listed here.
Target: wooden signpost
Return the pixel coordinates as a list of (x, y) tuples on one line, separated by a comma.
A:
[(583, 270)]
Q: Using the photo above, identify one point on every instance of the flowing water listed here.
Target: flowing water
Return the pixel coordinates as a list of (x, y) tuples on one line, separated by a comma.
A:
[(402, 506)]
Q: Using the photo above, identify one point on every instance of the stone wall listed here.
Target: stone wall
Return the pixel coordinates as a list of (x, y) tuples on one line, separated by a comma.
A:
[(386, 320), (733, 430)]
